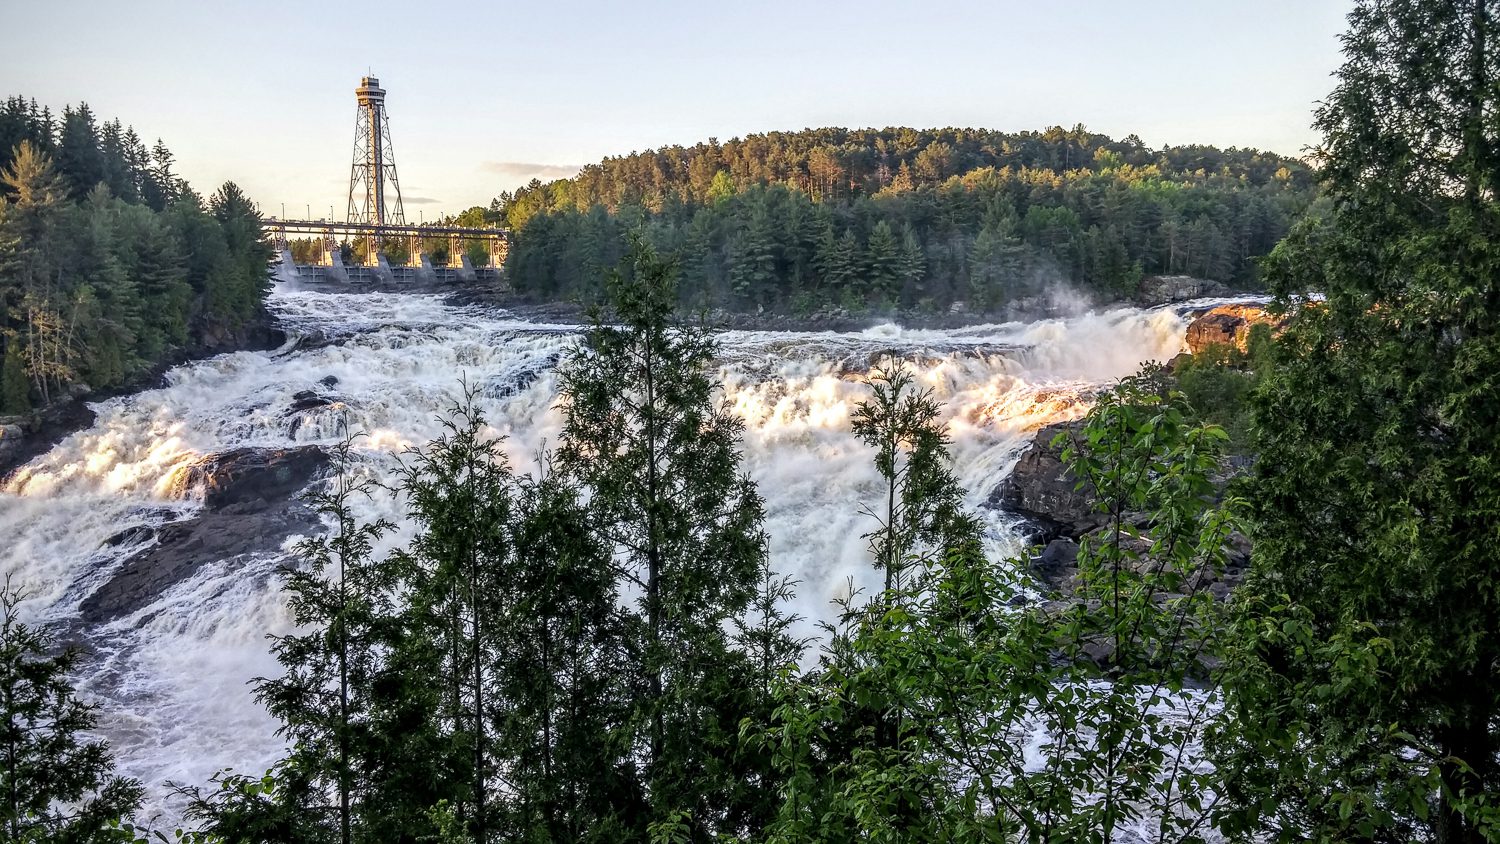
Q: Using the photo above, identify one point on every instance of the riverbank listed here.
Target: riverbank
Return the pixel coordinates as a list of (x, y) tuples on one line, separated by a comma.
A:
[(26, 436)]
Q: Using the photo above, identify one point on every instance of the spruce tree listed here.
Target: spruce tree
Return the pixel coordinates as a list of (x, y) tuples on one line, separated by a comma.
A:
[(55, 784), (79, 159)]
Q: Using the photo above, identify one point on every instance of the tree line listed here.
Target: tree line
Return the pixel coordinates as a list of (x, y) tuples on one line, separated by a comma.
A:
[(897, 219), (110, 263), (598, 652)]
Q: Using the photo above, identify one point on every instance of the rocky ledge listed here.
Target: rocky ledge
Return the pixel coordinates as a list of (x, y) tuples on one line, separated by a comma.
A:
[(250, 505), (1229, 325), (1060, 515)]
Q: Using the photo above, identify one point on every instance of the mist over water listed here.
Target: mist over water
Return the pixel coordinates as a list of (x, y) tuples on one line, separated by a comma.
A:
[(172, 677)]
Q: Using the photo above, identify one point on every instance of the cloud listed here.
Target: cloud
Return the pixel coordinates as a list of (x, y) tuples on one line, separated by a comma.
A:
[(419, 200), (523, 171)]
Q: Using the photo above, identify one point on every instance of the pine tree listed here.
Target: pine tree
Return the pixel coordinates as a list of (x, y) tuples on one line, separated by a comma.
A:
[(753, 271), (55, 784), (79, 160), (882, 263), (158, 183)]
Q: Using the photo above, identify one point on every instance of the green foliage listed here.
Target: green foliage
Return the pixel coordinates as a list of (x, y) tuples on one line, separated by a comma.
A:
[(327, 698), (130, 272), (457, 575), (984, 217), (923, 499), (1366, 677), (55, 784), (920, 722), (658, 457)]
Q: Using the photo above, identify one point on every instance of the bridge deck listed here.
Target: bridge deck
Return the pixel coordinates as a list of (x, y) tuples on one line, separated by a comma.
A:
[(325, 227)]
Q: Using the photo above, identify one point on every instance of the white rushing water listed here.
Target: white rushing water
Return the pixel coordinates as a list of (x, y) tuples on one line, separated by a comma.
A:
[(172, 677)]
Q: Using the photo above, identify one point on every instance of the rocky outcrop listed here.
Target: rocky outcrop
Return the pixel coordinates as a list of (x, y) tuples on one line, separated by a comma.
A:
[(250, 506), (1060, 516), (246, 475), (1166, 289), (1229, 325), (25, 437), (1045, 493)]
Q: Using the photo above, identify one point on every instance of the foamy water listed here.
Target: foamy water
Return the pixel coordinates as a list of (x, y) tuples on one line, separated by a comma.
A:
[(172, 678)]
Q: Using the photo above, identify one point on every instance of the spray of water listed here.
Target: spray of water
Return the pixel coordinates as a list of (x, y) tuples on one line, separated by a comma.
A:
[(172, 677)]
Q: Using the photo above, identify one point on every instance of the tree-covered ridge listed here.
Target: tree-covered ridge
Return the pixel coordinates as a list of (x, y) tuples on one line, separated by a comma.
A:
[(910, 220), (109, 263)]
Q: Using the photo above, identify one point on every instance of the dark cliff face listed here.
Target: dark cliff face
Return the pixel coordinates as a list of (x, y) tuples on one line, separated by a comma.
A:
[(1045, 493), (23, 438), (1060, 515)]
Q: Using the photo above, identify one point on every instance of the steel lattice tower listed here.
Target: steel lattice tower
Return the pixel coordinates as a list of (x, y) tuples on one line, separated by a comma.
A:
[(373, 163)]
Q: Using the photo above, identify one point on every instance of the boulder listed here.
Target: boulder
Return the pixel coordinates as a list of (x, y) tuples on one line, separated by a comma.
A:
[(253, 476), (307, 400), (1166, 289), (251, 506), (1058, 516), (1043, 492), (1228, 325)]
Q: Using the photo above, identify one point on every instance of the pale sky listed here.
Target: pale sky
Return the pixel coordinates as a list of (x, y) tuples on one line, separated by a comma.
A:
[(483, 96)]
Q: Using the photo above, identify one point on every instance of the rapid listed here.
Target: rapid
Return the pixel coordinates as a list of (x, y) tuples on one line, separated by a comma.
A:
[(171, 678)]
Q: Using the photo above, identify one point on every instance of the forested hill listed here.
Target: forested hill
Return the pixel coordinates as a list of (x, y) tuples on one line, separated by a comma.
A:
[(109, 263), (906, 219)]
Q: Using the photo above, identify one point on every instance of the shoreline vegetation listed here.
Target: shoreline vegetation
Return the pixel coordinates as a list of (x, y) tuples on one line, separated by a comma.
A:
[(1305, 647)]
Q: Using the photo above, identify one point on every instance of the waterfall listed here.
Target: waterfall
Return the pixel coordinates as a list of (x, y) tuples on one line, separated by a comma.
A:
[(171, 676)]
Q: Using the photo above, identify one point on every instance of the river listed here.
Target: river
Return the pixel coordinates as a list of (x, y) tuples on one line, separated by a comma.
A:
[(171, 677)]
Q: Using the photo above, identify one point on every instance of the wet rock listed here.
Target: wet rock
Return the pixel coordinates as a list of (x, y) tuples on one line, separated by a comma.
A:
[(1043, 491), (1229, 325), (253, 476), (183, 548), (1058, 516), (307, 400), (329, 381), (39, 432), (129, 536), (251, 505), (12, 437)]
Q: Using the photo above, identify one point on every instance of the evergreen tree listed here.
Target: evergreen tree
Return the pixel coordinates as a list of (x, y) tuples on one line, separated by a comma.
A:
[(567, 724), (79, 160), (55, 784), (882, 262), (326, 699), (658, 458), (158, 183), (461, 582), (1368, 684)]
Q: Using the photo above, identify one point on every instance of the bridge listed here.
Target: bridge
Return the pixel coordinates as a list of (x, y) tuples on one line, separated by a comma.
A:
[(378, 224), (378, 240)]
